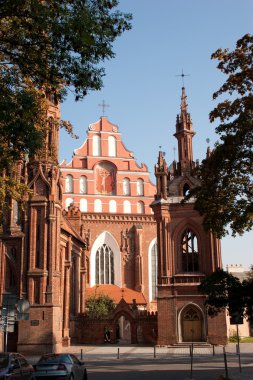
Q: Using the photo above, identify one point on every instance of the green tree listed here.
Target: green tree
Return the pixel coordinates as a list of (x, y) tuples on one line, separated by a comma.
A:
[(47, 48), (99, 306), (224, 196), (60, 42), (225, 291)]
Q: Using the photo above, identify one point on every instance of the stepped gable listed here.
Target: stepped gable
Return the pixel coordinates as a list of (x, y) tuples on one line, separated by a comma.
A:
[(103, 127)]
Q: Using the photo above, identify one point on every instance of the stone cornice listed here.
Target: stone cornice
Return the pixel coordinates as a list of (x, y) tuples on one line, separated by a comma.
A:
[(118, 218)]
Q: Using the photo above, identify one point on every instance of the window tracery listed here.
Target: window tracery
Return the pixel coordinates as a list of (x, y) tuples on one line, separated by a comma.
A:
[(189, 251), (104, 265)]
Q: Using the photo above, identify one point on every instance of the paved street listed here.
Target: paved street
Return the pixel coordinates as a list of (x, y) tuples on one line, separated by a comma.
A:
[(137, 362)]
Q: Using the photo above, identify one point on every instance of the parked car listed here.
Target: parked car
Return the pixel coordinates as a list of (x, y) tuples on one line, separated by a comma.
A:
[(14, 366), (63, 366)]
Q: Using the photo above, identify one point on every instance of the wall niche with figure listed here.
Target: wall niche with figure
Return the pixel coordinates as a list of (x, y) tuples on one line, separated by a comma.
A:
[(105, 178)]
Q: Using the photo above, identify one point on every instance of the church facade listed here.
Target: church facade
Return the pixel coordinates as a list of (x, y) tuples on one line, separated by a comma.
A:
[(98, 225)]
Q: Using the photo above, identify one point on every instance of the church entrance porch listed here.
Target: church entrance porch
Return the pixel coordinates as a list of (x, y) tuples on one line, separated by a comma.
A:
[(192, 325), (126, 325)]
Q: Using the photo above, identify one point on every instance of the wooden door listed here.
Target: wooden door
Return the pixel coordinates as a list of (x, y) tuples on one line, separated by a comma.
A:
[(192, 326)]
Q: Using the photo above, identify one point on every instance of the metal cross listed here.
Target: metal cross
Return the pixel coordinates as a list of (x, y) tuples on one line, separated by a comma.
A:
[(103, 105), (182, 76)]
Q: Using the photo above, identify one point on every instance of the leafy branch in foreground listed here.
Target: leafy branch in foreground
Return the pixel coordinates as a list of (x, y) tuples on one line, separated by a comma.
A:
[(224, 196), (47, 47), (60, 42)]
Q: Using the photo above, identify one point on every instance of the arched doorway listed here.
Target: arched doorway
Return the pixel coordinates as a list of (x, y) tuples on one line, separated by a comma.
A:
[(124, 330), (192, 325)]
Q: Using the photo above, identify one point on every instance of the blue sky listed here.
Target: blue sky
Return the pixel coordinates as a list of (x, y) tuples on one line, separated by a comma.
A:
[(143, 90)]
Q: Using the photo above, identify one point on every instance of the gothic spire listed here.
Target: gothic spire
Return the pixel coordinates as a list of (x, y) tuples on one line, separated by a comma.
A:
[(184, 132), (161, 173)]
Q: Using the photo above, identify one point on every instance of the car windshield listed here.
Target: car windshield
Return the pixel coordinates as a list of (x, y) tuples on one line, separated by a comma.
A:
[(52, 359), (4, 360)]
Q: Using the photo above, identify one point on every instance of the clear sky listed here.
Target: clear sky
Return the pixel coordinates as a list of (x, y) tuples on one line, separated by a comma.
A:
[(143, 90)]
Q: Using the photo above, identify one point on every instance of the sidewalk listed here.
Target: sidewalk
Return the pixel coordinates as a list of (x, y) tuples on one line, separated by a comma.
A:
[(136, 351), (205, 359)]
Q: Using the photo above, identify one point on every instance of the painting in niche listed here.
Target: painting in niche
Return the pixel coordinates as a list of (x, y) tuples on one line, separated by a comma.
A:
[(105, 178)]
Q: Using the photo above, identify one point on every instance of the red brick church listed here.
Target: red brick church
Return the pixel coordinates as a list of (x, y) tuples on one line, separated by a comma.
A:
[(97, 225)]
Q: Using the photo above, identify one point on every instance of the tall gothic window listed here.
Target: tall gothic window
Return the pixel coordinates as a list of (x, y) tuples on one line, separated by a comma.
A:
[(68, 202), (104, 265), (111, 146), (83, 205), (97, 205), (112, 206), (38, 240), (127, 207), (126, 186), (154, 271), (15, 212), (96, 147), (140, 207), (186, 189), (189, 251), (83, 184), (69, 184), (140, 186)]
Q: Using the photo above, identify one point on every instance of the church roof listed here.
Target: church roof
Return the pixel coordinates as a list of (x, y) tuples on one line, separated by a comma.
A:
[(117, 293)]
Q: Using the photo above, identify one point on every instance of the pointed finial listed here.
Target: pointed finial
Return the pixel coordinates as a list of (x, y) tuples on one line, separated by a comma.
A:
[(183, 101)]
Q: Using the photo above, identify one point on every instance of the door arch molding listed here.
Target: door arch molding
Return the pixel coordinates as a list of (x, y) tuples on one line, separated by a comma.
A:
[(192, 315)]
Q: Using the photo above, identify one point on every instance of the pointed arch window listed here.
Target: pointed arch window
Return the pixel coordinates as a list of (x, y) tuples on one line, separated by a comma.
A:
[(96, 145), (112, 206), (83, 205), (98, 205), (126, 186), (83, 184), (190, 252), (140, 186), (111, 146), (10, 278), (154, 271), (186, 189), (104, 265), (140, 207), (15, 212), (69, 184), (68, 202), (127, 207)]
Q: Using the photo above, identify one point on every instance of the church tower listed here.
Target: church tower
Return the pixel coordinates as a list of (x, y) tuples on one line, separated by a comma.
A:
[(42, 223), (186, 253)]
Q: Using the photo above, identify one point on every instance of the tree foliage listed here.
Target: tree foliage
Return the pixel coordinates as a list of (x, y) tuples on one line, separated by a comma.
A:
[(224, 196), (60, 42), (223, 290), (47, 47), (99, 306)]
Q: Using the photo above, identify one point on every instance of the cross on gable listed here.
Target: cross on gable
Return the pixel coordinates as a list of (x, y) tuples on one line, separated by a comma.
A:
[(103, 106)]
